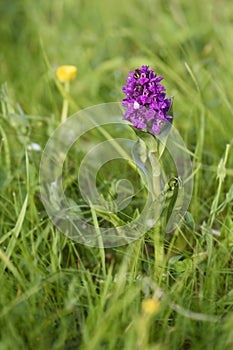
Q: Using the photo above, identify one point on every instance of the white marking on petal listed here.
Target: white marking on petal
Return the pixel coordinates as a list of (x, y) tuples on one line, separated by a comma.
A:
[(136, 105)]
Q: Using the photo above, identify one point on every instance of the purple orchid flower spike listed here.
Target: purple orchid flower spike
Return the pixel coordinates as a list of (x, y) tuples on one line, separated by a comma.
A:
[(146, 102)]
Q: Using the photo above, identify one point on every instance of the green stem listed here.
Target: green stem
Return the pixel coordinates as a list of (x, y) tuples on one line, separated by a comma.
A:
[(65, 105), (221, 176), (99, 237), (7, 149), (158, 236)]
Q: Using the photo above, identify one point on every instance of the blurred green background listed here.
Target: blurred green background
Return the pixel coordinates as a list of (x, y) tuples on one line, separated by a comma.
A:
[(105, 39), (57, 294), (187, 43)]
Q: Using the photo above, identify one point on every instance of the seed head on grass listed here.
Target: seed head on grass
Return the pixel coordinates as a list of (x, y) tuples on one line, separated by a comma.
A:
[(146, 102)]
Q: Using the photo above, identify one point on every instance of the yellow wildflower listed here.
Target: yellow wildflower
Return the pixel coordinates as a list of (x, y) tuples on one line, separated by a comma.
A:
[(66, 73), (150, 306)]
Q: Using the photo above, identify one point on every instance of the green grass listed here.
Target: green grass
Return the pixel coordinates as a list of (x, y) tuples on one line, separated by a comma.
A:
[(58, 294)]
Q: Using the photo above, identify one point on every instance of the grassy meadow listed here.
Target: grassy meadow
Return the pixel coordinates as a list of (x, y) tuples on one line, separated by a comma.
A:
[(161, 292)]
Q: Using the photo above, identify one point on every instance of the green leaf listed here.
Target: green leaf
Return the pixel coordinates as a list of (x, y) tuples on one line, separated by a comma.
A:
[(189, 221), (16, 230), (150, 140)]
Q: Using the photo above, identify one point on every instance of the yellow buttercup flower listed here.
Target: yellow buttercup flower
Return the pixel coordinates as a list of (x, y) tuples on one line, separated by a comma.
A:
[(150, 306), (66, 73)]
